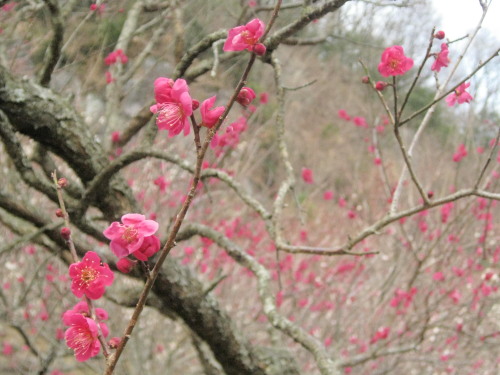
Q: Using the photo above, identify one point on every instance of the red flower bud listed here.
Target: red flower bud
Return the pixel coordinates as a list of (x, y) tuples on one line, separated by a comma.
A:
[(114, 342), (259, 49), (59, 213), (365, 79), (380, 85), (125, 265), (62, 182), (65, 233), (439, 35), (245, 96), (195, 104)]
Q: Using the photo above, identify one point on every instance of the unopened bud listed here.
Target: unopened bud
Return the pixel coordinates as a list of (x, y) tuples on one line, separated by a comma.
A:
[(125, 265), (195, 104), (259, 49), (114, 342), (245, 96), (65, 233), (439, 35), (380, 85), (365, 79), (59, 213), (62, 182), (430, 194)]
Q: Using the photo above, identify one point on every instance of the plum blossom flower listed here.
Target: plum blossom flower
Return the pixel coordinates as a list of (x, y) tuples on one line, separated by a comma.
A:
[(81, 336), (442, 59), (114, 56), (459, 95), (307, 175), (394, 62), (173, 105), (343, 115), (460, 153), (127, 237), (244, 37), (81, 308), (209, 117), (90, 277)]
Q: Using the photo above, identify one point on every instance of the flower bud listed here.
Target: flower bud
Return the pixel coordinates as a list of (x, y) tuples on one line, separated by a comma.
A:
[(115, 137), (259, 49), (195, 104), (114, 342), (65, 233), (439, 35), (365, 79), (245, 96), (62, 183), (430, 194), (380, 85), (125, 265), (59, 213)]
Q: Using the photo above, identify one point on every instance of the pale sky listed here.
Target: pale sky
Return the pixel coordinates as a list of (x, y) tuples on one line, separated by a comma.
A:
[(461, 16)]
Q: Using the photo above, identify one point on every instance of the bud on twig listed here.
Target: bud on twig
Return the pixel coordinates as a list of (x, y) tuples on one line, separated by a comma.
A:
[(259, 49), (65, 233), (62, 182), (439, 35), (59, 213)]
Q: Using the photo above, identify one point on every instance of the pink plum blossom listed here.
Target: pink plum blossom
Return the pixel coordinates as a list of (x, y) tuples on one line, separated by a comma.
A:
[(81, 336), (173, 105), (459, 95), (90, 277), (127, 237), (81, 308), (114, 56), (343, 114), (209, 117), (244, 37), (442, 59), (460, 153), (307, 175), (394, 62)]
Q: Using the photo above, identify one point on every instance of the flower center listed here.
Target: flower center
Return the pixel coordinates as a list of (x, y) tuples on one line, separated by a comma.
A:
[(170, 114), (88, 275), (248, 38), (130, 234), (394, 64)]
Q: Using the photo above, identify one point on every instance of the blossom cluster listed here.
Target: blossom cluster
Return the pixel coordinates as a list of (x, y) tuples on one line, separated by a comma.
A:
[(134, 235)]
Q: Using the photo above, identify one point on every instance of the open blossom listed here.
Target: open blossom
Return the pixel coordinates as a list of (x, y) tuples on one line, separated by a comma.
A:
[(307, 176), (209, 117), (127, 237), (81, 336), (442, 59), (114, 56), (90, 277), (244, 37), (459, 95), (460, 153), (173, 105), (81, 308), (394, 62)]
